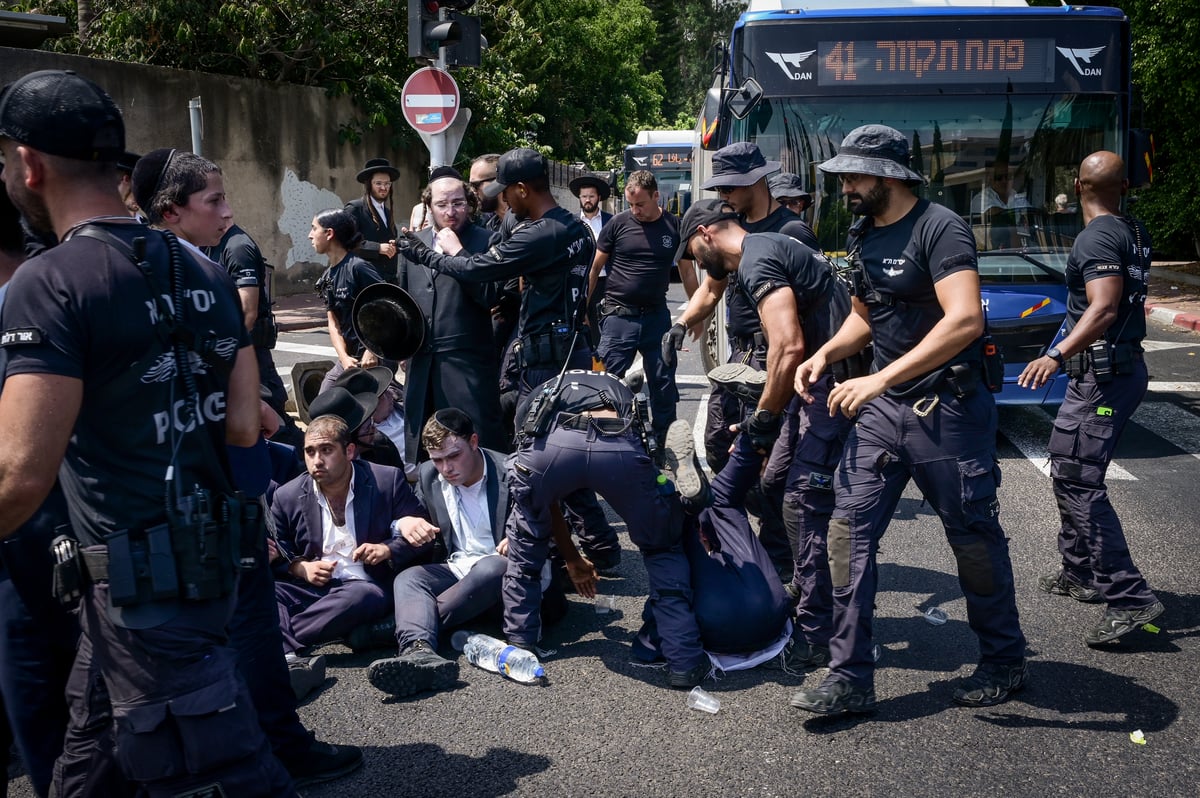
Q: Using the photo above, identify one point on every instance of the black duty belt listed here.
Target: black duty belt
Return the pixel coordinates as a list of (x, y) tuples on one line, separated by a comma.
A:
[(748, 343), (583, 421), (610, 307)]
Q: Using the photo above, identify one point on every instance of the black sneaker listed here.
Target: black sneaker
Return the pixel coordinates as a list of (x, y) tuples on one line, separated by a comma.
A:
[(367, 636), (417, 669), (604, 561), (306, 674), (686, 680), (740, 379), (682, 466), (324, 762), (835, 697), (799, 655), (991, 684), (1059, 585), (1118, 623)]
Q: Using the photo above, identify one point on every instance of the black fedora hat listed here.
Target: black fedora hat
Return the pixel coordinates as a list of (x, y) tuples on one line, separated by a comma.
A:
[(591, 181), (359, 380), (353, 408), (378, 165), (388, 321)]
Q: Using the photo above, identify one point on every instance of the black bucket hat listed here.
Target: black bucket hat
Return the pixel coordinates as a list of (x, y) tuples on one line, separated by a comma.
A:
[(787, 185), (876, 150), (740, 164)]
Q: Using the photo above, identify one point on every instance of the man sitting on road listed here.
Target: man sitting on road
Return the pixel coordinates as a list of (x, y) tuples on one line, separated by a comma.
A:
[(335, 554), (465, 490)]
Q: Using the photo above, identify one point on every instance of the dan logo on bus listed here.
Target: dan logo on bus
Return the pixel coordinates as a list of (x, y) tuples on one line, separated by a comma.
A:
[(1084, 54), (790, 63)]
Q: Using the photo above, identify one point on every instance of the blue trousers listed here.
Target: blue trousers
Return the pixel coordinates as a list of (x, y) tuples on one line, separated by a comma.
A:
[(950, 454), (311, 615), (1092, 542), (622, 338), (739, 602), (429, 598), (617, 467), (584, 514), (183, 716), (807, 507)]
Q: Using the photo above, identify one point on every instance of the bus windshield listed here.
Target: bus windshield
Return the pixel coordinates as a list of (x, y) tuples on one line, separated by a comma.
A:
[(1005, 163)]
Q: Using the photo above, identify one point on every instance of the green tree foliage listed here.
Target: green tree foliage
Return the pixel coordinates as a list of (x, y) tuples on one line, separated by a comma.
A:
[(688, 30), (1166, 38), (571, 77)]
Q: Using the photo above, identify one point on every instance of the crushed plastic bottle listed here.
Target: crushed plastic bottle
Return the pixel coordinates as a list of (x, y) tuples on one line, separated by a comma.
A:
[(936, 616), (497, 656)]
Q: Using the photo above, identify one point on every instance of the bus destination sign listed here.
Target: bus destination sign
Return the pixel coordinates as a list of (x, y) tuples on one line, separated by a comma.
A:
[(892, 62)]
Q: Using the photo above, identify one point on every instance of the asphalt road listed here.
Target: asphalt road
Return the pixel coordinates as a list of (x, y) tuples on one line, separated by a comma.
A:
[(604, 727)]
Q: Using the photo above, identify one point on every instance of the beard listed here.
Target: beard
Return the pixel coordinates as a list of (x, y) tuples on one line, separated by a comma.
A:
[(32, 208), (589, 207), (874, 202), (488, 204)]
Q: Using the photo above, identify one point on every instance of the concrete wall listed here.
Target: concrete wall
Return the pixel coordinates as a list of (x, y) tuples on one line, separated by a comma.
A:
[(276, 143)]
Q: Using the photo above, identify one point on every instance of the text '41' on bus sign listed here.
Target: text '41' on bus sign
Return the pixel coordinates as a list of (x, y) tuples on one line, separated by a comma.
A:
[(431, 100)]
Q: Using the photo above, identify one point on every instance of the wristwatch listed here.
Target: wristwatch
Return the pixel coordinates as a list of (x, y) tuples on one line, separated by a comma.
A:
[(764, 416), (1054, 354)]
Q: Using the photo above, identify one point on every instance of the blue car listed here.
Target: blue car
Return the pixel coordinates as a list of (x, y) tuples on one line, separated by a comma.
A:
[(1025, 301)]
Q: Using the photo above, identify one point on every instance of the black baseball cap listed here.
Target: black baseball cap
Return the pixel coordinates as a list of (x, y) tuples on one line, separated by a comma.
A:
[(702, 213), (516, 166), (60, 113)]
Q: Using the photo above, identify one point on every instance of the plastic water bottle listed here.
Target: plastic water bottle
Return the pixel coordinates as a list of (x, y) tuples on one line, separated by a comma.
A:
[(498, 657)]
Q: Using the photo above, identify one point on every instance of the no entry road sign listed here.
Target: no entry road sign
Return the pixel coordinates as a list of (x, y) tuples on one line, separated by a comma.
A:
[(431, 100)]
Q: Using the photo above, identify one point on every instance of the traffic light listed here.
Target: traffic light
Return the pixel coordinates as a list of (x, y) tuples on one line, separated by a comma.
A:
[(434, 24)]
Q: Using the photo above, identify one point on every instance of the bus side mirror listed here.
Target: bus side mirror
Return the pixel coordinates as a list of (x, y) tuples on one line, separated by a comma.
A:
[(712, 132), (742, 101)]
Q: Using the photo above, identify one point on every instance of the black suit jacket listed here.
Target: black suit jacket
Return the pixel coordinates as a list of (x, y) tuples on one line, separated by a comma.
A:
[(381, 495), (429, 490), (375, 232), (457, 365)]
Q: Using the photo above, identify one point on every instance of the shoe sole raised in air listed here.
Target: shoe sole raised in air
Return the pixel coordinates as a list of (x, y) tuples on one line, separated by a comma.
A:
[(680, 459)]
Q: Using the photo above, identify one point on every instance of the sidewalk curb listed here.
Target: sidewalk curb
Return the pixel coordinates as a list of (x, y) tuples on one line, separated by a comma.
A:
[(1171, 316), (299, 325)]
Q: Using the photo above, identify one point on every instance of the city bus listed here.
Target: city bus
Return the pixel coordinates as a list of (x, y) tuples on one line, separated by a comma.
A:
[(668, 155), (982, 89)]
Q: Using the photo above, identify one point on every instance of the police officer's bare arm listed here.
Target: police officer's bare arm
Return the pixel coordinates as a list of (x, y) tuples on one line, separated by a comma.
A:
[(958, 296), (777, 312), (597, 267), (37, 414), (850, 339), (703, 300), (1104, 298)]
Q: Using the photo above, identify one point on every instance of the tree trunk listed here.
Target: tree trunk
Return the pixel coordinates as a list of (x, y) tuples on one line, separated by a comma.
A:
[(84, 17)]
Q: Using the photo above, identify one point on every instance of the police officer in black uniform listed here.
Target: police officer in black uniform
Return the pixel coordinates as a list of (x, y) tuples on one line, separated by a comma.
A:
[(923, 414), (1102, 352), (801, 305), (151, 500), (552, 250), (581, 430)]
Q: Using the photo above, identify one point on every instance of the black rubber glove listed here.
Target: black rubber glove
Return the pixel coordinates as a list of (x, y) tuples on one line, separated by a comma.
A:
[(412, 247), (672, 342), (762, 428)]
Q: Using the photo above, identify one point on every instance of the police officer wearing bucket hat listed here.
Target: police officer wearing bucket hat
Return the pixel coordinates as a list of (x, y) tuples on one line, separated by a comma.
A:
[(923, 414)]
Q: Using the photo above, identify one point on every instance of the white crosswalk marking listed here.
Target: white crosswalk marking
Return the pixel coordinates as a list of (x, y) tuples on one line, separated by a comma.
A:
[(1028, 429), (306, 349), (1171, 423), (1159, 346)]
